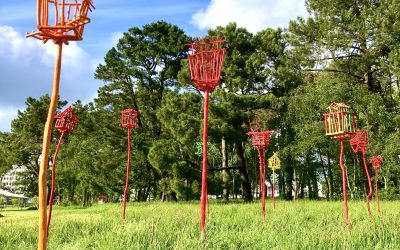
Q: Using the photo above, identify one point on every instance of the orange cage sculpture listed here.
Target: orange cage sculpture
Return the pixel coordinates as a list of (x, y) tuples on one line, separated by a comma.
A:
[(66, 23)]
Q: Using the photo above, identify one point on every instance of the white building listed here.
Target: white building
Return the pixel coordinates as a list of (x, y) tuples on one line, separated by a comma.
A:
[(9, 179)]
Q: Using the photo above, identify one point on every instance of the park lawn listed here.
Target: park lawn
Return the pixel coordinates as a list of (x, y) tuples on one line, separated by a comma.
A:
[(156, 225)]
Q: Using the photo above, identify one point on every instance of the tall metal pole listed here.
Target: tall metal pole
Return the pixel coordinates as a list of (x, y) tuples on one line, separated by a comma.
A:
[(128, 164), (204, 194), (376, 190), (53, 180), (42, 185), (346, 212), (369, 195)]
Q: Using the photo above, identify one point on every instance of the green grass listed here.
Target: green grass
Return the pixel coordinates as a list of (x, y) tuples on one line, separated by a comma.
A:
[(293, 225)]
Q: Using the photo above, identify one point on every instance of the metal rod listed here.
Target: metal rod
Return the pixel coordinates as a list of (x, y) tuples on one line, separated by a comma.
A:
[(42, 236), (369, 195), (53, 180), (346, 212), (376, 190), (204, 193), (127, 174)]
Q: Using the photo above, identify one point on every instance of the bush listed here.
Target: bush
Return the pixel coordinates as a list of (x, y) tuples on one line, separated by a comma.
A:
[(32, 208)]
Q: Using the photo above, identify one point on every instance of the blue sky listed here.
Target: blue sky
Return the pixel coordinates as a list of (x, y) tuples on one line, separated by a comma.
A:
[(26, 65)]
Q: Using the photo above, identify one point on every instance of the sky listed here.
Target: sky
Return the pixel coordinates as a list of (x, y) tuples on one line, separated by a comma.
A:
[(27, 65)]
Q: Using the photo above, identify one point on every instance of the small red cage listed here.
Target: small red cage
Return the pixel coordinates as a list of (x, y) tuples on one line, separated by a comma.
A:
[(359, 142), (65, 24), (66, 120), (340, 121), (376, 162), (260, 138), (206, 59), (129, 118)]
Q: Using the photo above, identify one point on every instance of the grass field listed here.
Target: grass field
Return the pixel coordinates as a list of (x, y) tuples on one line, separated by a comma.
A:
[(293, 225)]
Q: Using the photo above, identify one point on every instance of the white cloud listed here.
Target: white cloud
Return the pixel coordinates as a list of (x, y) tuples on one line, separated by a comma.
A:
[(27, 67), (7, 114), (254, 15)]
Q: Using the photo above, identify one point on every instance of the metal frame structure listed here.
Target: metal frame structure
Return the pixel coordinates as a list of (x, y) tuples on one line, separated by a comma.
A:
[(274, 163), (65, 124), (340, 124), (261, 140), (206, 58), (129, 120), (359, 144), (60, 21)]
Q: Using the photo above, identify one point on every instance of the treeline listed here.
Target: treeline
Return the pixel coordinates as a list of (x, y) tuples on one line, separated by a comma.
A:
[(347, 51)]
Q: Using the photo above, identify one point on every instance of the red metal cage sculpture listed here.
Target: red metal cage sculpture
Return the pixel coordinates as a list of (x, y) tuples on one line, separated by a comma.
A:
[(206, 59), (261, 140), (65, 123), (66, 120), (359, 144), (129, 120), (340, 124), (376, 162), (65, 24)]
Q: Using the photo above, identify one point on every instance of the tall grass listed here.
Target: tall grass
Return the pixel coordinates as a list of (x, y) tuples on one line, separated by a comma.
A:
[(292, 225)]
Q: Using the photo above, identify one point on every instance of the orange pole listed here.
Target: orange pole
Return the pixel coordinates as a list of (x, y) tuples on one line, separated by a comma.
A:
[(42, 238)]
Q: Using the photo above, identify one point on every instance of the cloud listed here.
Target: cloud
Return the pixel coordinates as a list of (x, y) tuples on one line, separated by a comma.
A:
[(254, 15), (27, 67)]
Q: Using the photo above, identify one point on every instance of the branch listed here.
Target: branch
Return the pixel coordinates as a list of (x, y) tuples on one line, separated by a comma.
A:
[(335, 70)]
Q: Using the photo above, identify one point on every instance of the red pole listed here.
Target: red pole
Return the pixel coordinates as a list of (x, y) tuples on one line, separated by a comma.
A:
[(369, 195), (204, 194), (53, 179), (346, 212), (263, 184), (376, 190), (127, 174)]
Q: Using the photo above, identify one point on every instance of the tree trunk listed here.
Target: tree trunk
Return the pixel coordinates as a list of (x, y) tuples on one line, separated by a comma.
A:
[(244, 176), (325, 177), (225, 193), (290, 176), (330, 175)]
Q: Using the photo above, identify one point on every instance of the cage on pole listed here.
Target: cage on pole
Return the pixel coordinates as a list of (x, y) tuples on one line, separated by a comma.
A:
[(359, 144), (61, 20), (260, 140), (206, 58), (274, 163), (65, 123), (129, 118), (340, 124)]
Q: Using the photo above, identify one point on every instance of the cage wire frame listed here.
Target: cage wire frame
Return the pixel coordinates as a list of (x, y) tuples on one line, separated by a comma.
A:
[(206, 59), (69, 19), (129, 118)]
